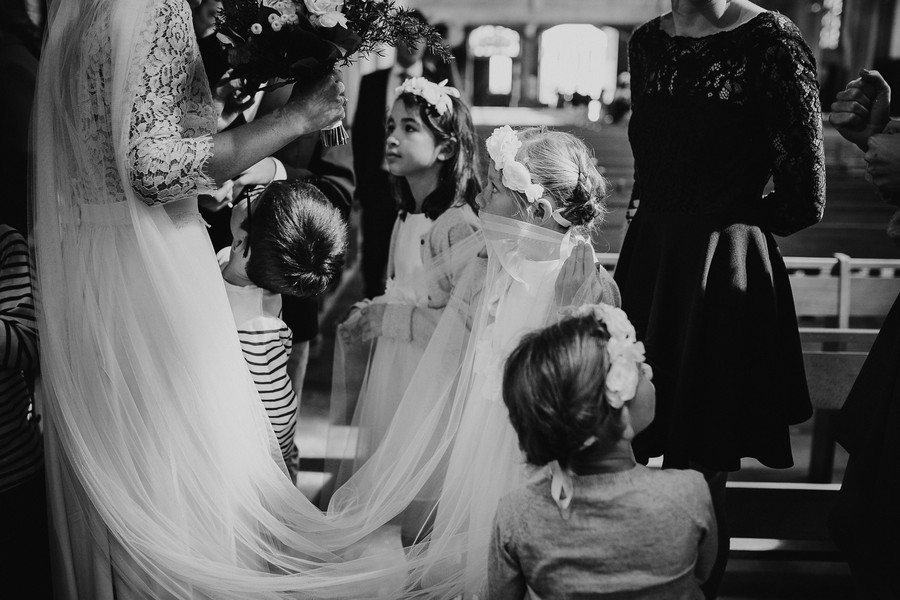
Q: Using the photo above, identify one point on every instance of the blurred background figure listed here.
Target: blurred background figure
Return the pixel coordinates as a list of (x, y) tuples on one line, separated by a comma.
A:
[(620, 106)]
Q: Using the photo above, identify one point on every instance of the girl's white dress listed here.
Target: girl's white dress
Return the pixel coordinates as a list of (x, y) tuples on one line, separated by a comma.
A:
[(394, 361)]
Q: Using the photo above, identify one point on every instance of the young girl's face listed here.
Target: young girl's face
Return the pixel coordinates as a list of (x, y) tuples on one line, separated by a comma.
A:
[(411, 149), (497, 199)]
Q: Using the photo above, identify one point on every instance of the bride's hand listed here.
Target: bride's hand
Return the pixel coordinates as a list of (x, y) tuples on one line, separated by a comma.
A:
[(320, 104), (262, 173), (219, 199)]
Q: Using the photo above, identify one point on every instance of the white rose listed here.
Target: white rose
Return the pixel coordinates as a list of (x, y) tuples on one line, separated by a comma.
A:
[(516, 176), (320, 7), (616, 321), (443, 105), (534, 191), (502, 146), (430, 94), (330, 19), (285, 7), (621, 381)]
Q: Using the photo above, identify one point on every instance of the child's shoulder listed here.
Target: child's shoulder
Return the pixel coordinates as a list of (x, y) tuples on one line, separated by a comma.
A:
[(452, 226), (684, 487), (455, 215), (527, 498)]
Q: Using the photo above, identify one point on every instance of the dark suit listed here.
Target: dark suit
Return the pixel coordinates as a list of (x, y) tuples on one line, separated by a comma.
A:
[(379, 209)]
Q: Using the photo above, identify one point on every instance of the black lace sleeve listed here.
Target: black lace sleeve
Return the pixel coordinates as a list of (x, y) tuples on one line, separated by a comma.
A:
[(793, 118), (636, 70)]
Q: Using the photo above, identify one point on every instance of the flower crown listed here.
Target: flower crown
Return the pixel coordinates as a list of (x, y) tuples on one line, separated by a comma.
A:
[(624, 352), (502, 146), (435, 94)]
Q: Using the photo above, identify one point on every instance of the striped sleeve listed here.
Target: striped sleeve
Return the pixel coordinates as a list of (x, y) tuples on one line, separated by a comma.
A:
[(18, 334), (21, 454), (266, 344)]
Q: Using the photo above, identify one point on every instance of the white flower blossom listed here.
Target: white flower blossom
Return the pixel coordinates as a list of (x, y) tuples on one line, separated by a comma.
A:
[(534, 191), (256, 29), (321, 7), (276, 25), (624, 352), (435, 94), (515, 176), (330, 19), (502, 146)]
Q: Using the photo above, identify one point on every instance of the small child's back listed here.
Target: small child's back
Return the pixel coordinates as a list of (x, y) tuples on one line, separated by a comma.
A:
[(639, 530)]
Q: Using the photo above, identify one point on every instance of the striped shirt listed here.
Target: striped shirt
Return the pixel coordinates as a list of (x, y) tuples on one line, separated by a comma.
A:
[(21, 452), (266, 344)]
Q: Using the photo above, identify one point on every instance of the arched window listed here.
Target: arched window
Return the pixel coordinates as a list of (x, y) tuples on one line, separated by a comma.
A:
[(577, 58), (500, 45)]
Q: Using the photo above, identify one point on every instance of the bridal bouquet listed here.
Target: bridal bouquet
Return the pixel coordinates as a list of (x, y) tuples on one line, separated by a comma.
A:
[(293, 40)]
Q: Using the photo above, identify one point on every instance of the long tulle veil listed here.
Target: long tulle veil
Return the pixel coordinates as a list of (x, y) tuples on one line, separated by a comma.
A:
[(164, 480)]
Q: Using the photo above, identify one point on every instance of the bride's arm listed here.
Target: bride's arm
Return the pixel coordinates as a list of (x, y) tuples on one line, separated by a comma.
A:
[(310, 109), (165, 162)]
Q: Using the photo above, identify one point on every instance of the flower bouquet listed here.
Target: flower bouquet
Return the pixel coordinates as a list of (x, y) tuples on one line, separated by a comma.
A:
[(293, 40)]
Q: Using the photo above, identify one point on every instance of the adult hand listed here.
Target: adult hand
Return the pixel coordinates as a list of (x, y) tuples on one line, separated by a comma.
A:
[(219, 199), (262, 173), (883, 159), (862, 109), (577, 270), (370, 320), (318, 105)]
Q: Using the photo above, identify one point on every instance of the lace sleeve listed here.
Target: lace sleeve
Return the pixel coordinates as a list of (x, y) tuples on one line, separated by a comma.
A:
[(793, 118), (635, 69), (165, 161)]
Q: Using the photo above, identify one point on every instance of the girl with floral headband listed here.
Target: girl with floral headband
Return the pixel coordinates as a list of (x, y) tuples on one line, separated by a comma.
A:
[(430, 152), (577, 393), (450, 453)]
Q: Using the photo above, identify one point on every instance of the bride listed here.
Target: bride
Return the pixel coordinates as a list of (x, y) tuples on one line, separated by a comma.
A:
[(165, 480)]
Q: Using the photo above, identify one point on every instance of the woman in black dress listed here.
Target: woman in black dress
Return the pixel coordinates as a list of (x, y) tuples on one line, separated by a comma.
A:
[(724, 97)]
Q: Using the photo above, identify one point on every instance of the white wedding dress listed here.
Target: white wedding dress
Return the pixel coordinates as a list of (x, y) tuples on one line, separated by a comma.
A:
[(164, 476)]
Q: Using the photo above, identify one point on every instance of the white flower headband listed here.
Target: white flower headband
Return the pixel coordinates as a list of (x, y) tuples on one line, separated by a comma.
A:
[(624, 352), (435, 94), (626, 363), (502, 146)]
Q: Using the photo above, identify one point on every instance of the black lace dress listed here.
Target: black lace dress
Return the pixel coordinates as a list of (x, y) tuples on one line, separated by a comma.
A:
[(701, 276)]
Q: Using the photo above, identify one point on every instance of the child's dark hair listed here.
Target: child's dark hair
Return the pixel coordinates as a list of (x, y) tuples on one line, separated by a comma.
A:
[(458, 181), (553, 386), (297, 240)]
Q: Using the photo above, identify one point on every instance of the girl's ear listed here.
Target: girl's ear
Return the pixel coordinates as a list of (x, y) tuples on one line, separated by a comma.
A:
[(542, 210), (447, 149)]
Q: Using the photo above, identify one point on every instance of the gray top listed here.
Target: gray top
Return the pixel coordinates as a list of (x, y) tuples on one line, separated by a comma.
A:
[(641, 533)]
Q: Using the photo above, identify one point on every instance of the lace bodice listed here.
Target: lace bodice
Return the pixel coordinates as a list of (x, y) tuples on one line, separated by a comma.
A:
[(714, 117), (172, 118)]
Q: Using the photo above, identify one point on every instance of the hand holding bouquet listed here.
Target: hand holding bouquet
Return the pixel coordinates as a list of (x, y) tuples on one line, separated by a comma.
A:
[(303, 40)]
